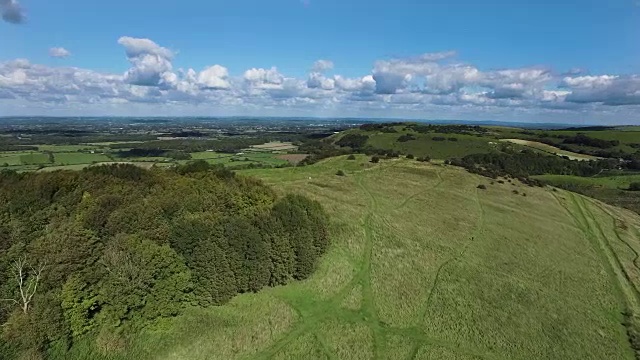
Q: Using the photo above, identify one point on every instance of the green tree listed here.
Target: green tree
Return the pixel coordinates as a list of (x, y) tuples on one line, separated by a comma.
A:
[(215, 281), (281, 252), (250, 254), (143, 280)]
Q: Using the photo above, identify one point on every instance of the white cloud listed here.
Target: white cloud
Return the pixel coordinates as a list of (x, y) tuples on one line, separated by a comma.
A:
[(214, 77), (437, 56), (429, 85), (59, 52), (138, 47), (322, 66), (11, 11), (317, 80), (605, 89), (263, 78), (585, 82), (151, 62)]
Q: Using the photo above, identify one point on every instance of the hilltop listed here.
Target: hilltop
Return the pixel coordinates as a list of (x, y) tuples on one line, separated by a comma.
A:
[(425, 263)]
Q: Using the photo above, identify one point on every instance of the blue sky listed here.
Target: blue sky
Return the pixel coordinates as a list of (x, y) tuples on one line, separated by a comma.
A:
[(513, 60)]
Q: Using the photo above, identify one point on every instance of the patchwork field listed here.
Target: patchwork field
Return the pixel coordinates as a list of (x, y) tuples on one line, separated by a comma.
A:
[(425, 265)]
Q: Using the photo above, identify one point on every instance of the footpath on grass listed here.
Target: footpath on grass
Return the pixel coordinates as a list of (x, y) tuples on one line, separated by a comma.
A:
[(311, 316)]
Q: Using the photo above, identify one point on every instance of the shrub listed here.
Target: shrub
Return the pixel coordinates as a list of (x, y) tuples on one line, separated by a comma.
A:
[(354, 141), (482, 187), (406, 137), (410, 156), (375, 159), (341, 173), (515, 192), (635, 186), (500, 181), (523, 194), (351, 157)]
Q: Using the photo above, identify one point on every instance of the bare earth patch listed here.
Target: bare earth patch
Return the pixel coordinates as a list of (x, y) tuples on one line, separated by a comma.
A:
[(293, 158), (275, 146)]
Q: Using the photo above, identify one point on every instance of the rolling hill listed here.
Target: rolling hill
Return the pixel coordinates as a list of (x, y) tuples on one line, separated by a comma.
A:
[(425, 264)]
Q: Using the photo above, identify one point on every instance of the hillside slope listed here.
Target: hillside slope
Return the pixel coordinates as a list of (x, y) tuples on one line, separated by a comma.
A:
[(424, 265)]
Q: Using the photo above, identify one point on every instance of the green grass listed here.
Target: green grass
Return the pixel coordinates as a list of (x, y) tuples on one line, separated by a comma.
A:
[(626, 136), (34, 159), (66, 148), (74, 158), (609, 182), (550, 149), (12, 158), (424, 265), (424, 145), (608, 188), (232, 160)]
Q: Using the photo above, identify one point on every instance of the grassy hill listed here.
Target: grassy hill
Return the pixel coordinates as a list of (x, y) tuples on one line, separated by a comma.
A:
[(447, 141), (434, 144), (612, 189), (425, 265)]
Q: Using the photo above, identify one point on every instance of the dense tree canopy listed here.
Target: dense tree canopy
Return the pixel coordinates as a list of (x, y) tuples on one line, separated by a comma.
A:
[(526, 163), (121, 246)]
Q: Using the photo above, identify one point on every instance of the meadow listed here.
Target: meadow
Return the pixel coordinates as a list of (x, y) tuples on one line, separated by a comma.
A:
[(425, 265), (454, 145), (75, 158)]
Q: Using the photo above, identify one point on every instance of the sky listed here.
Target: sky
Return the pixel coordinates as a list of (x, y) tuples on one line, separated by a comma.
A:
[(570, 61)]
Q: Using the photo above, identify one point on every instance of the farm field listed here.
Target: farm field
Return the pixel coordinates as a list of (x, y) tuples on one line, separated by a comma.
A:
[(239, 159), (74, 158), (34, 159), (550, 149), (424, 265), (275, 146), (66, 148)]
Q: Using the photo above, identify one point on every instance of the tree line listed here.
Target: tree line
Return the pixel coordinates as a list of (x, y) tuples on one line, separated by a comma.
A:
[(102, 252), (522, 164)]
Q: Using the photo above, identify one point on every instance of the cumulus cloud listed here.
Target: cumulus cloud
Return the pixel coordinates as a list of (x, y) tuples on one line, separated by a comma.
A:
[(136, 47), (214, 77), (263, 78), (424, 85), (317, 80), (604, 89), (321, 66), (395, 75), (11, 11), (59, 52), (151, 62)]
